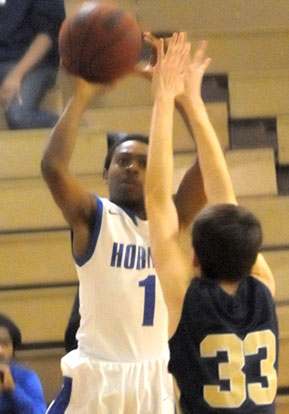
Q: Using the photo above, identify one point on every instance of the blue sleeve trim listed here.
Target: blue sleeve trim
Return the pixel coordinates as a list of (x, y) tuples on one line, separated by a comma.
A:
[(94, 234)]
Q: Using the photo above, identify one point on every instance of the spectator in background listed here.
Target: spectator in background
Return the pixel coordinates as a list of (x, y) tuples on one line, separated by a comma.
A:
[(29, 59), (20, 388)]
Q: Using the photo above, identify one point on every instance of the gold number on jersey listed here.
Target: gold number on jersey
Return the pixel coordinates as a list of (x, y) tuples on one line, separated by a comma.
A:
[(252, 343), (232, 370)]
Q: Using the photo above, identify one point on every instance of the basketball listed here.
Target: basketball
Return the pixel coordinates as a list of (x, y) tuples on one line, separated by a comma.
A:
[(99, 42)]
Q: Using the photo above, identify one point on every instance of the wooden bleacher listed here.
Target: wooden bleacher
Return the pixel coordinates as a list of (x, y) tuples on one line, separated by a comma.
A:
[(41, 313), (283, 139), (268, 92), (278, 260), (49, 247), (282, 404), (273, 213), (27, 203)]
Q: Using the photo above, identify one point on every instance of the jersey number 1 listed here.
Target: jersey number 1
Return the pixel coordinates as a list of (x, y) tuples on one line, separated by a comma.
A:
[(149, 285)]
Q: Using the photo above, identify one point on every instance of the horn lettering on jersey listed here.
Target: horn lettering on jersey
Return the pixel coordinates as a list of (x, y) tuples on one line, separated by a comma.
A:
[(129, 259), (131, 256)]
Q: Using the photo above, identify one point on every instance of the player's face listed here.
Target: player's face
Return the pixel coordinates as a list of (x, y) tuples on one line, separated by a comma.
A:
[(126, 174), (6, 346)]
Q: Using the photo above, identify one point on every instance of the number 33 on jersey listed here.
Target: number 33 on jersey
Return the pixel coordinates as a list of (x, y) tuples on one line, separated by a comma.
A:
[(234, 369)]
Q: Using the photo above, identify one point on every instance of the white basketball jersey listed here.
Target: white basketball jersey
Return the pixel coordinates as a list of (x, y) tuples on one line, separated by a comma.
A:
[(123, 314)]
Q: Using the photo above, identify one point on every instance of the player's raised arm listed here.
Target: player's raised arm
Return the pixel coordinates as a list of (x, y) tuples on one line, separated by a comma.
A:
[(75, 203), (190, 197), (217, 181), (173, 266), (216, 177)]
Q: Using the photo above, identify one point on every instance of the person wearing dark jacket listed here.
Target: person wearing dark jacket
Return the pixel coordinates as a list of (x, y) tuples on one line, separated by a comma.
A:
[(29, 59)]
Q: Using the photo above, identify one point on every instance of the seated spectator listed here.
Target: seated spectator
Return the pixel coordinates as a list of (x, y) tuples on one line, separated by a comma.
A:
[(29, 59), (20, 388)]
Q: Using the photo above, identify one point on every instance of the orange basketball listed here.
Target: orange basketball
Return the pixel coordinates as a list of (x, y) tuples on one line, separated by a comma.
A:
[(99, 42)]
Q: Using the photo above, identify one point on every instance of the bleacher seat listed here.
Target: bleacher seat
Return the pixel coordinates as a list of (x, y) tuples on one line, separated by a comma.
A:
[(41, 313)]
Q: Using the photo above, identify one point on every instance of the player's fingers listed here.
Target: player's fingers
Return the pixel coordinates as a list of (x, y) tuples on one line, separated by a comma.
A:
[(200, 52), (181, 47), (172, 44), (206, 64), (160, 56), (150, 39), (183, 56), (186, 54), (181, 41)]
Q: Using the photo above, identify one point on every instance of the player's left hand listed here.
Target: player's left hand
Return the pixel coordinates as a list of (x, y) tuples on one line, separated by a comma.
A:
[(196, 67), (168, 73)]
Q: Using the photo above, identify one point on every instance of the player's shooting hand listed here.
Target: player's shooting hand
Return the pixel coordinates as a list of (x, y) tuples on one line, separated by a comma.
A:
[(168, 73), (10, 88), (146, 71), (6, 379), (85, 90), (196, 67), (152, 42)]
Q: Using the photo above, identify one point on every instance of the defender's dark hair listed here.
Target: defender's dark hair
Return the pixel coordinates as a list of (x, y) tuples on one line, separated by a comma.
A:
[(226, 239), (13, 330), (114, 139)]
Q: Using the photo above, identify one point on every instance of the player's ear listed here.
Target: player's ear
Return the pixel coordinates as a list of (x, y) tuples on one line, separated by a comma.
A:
[(196, 260)]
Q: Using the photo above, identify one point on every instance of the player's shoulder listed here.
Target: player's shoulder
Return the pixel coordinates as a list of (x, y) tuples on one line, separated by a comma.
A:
[(257, 286)]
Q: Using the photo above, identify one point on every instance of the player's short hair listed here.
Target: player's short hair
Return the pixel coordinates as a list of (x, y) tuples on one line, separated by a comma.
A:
[(12, 328), (226, 239), (115, 139)]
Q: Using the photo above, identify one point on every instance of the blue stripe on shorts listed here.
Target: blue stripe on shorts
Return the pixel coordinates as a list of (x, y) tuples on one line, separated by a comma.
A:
[(61, 402)]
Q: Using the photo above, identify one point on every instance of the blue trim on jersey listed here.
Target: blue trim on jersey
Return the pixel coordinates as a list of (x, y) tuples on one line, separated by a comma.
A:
[(94, 233), (61, 402)]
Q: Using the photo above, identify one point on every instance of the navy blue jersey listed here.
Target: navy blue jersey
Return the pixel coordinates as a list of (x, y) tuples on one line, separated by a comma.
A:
[(224, 353)]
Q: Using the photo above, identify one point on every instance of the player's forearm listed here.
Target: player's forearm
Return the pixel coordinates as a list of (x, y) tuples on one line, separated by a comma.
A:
[(35, 53), (190, 197), (217, 181), (160, 159), (62, 141)]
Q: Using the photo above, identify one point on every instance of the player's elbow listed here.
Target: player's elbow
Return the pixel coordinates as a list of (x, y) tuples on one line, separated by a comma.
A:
[(45, 166), (49, 167)]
